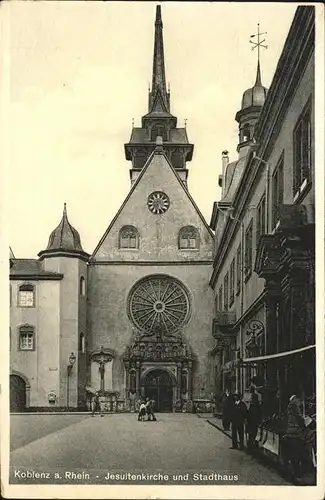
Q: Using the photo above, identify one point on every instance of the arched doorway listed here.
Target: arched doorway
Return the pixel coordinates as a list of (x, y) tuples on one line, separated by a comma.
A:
[(17, 393), (158, 385)]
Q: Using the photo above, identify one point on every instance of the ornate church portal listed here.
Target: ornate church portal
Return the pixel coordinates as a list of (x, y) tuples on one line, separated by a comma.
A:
[(158, 363)]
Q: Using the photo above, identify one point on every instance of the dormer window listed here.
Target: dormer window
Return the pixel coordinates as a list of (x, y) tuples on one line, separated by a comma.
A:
[(188, 238), (26, 295), (129, 237), (158, 131)]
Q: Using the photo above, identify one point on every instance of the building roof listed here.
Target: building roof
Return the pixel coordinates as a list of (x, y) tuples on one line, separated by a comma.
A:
[(64, 240), (233, 175), (256, 95), (31, 269), (64, 236), (176, 136)]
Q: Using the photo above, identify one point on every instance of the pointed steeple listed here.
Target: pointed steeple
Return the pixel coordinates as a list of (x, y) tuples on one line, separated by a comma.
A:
[(159, 122), (258, 81), (158, 88)]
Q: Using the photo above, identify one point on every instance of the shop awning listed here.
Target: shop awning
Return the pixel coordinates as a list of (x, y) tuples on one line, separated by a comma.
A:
[(261, 359)]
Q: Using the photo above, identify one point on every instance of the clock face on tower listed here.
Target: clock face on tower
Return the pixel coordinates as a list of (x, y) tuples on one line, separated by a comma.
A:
[(158, 202)]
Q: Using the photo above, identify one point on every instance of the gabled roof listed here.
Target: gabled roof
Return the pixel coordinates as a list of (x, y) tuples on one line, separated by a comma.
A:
[(158, 150)]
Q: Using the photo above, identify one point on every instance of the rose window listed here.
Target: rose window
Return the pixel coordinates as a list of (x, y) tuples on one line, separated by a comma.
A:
[(158, 202), (158, 304)]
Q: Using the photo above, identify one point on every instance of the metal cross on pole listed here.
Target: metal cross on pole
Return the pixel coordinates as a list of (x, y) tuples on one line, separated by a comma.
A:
[(259, 43)]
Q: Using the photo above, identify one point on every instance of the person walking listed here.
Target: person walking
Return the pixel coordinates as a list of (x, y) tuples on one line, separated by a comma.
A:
[(238, 417), (96, 405), (253, 420)]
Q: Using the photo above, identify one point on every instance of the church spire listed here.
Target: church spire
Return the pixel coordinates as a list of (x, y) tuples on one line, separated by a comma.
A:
[(258, 80), (158, 70)]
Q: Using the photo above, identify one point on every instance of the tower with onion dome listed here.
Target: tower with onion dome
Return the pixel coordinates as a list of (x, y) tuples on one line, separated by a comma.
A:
[(65, 256)]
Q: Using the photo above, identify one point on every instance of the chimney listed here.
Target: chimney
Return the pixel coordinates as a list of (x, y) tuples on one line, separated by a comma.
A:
[(225, 161)]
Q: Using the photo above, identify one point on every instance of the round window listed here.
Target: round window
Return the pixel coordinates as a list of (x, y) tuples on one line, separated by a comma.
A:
[(158, 202), (159, 303)]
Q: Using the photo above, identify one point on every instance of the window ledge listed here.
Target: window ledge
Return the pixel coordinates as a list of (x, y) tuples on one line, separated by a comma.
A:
[(188, 249), (129, 249)]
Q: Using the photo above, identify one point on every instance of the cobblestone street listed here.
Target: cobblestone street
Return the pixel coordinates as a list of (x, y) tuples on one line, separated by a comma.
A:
[(176, 443)]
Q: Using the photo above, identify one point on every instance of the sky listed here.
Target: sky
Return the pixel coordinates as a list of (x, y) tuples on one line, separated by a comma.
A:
[(75, 74)]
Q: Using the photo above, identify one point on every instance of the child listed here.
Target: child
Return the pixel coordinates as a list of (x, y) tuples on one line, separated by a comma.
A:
[(142, 412)]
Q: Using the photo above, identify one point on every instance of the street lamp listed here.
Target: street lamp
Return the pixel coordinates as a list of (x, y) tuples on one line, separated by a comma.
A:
[(72, 360)]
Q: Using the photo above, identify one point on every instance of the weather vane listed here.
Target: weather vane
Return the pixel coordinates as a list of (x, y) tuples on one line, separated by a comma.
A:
[(259, 42), (132, 122), (185, 122)]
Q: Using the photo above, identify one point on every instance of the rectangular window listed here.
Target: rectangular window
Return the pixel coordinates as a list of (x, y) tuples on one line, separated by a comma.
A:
[(248, 250), (232, 283), (260, 222), (277, 191), (302, 149), (226, 292), (238, 269), (26, 338), (26, 296), (220, 301)]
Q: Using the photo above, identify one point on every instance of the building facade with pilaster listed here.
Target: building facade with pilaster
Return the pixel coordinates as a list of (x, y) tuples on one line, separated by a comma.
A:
[(263, 272)]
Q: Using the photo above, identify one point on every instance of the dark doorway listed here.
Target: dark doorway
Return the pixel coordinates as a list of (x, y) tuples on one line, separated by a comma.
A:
[(158, 385), (17, 393)]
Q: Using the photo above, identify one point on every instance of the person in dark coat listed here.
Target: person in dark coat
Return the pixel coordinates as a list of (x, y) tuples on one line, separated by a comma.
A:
[(150, 403), (227, 402), (294, 438), (253, 420), (238, 417)]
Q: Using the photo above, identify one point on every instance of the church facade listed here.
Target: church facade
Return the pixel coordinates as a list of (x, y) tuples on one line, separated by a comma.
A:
[(134, 318)]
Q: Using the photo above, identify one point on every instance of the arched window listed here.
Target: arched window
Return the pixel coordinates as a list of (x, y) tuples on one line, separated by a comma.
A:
[(188, 238), (246, 132), (129, 237), (26, 341), (26, 295), (82, 287), (81, 342)]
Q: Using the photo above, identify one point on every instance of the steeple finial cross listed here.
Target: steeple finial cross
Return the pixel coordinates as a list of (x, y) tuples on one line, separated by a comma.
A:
[(259, 42)]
